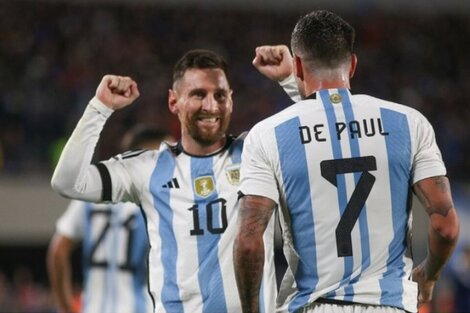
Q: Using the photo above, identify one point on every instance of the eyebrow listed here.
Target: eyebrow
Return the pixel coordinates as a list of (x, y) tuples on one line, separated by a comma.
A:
[(218, 90)]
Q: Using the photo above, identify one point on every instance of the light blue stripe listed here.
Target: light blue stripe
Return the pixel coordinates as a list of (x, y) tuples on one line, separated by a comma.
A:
[(299, 203), (398, 144), (139, 255), (363, 224), (210, 276), (236, 151), (111, 243), (87, 243), (341, 180), (262, 307), (162, 173)]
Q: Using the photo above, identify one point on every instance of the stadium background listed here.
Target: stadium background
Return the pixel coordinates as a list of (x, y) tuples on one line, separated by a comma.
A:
[(53, 54)]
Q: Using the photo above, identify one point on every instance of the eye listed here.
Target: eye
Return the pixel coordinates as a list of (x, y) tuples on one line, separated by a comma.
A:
[(198, 94), (220, 96)]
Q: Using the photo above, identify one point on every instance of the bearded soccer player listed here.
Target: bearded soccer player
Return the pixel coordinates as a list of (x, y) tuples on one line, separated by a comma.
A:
[(188, 191)]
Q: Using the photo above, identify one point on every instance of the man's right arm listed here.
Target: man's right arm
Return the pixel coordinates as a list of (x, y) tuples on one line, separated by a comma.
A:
[(434, 193), (275, 62), (248, 249), (74, 176), (59, 271)]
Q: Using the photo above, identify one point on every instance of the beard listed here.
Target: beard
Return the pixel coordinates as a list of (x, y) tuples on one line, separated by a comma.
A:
[(207, 136)]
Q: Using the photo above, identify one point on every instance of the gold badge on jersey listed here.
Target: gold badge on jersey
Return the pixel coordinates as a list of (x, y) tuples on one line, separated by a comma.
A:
[(204, 186), (335, 98), (233, 173)]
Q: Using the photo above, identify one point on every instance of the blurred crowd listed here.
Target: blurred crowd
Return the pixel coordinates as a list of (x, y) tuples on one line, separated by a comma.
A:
[(53, 55), (23, 294)]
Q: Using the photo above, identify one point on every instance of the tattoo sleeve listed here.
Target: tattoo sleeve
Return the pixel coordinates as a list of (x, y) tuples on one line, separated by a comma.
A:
[(255, 214), (434, 194)]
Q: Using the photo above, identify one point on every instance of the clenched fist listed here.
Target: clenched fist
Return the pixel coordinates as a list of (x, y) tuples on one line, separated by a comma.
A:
[(117, 92), (274, 62)]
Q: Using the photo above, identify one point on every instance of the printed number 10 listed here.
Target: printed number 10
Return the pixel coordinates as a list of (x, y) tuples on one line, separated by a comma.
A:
[(197, 230)]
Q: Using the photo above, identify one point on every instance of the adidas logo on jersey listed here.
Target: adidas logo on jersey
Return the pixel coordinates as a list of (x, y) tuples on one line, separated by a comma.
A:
[(172, 184)]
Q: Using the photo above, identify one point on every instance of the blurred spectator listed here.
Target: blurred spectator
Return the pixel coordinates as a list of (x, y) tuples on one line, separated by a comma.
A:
[(23, 294), (460, 280), (54, 55)]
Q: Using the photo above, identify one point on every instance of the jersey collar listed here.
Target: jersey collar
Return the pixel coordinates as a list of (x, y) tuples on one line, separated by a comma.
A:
[(177, 148)]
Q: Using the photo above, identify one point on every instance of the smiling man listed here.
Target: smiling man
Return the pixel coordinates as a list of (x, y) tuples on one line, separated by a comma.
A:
[(187, 191)]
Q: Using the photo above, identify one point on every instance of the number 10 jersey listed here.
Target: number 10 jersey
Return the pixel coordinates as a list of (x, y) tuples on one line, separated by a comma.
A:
[(190, 206)]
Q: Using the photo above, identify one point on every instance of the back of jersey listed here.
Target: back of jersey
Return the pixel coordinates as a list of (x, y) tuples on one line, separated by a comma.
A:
[(344, 165), (115, 250)]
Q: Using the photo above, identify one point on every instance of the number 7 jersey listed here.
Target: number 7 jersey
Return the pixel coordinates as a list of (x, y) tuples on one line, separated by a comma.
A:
[(191, 211), (341, 167)]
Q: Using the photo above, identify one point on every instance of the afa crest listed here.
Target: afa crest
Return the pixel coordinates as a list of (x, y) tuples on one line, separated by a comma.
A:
[(204, 186), (335, 98), (233, 173)]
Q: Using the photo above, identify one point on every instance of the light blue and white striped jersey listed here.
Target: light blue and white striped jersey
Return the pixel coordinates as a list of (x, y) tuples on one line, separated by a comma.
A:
[(115, 250), (190, 205), (341, 168)]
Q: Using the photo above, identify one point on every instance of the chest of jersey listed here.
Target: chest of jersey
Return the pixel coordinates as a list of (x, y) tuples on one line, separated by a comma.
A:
[(196, 196)]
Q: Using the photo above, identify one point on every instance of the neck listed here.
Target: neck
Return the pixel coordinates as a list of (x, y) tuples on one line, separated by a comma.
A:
[(193, 147), (317, 81)]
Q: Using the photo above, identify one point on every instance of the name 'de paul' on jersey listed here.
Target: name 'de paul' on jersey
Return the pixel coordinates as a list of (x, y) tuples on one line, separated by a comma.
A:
[(356, 129)]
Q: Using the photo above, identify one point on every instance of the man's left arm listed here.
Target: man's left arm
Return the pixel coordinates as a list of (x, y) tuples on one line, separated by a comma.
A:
[(254, 216)]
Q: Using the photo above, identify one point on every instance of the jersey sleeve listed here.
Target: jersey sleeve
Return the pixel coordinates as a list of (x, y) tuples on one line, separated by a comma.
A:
[(257, 176), (74, 176), (123, 175), (71, 223), (427, 160), (290, 88)]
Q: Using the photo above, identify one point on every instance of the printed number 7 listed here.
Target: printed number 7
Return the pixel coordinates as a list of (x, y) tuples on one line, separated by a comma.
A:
[(329, 170)]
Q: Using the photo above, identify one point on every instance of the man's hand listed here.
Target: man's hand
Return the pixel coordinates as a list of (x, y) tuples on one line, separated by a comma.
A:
[(117, 92), (425, 286), (274, 62)]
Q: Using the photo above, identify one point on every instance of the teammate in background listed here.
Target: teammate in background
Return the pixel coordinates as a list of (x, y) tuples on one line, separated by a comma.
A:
[(341, 168), (188, 191), (115, 247)]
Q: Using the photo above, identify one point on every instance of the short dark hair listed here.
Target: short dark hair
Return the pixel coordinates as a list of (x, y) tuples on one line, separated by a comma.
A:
[(140, 135), (323, 38), (198, 59)]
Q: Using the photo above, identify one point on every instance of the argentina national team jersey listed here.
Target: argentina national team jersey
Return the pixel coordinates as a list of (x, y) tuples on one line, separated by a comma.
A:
[(115, 249), (340, 166), (190, 206)]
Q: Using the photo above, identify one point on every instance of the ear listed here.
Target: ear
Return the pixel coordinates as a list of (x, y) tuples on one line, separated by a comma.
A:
[(172, 101), (352, 69), (298, 68)]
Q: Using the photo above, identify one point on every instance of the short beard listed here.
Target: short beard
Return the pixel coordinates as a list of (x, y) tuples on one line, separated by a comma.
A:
[(207, 139)]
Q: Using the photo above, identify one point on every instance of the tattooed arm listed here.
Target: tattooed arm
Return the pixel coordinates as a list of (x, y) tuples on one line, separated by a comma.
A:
[(255, 213), (434, 194)]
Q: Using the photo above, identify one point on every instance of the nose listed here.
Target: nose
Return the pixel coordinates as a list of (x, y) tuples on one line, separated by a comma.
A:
[(210, 104)]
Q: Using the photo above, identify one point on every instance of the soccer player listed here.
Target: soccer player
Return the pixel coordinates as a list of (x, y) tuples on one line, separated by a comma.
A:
[(188, 191), (341, 168), (115, 247)]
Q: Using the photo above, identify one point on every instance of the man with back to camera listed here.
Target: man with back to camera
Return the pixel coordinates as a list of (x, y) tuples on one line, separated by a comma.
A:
[(188, 191), (114, 245), (341, 167)]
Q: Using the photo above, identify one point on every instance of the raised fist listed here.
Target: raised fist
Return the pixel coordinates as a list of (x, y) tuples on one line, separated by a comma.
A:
[(274, 62), (117, 92)]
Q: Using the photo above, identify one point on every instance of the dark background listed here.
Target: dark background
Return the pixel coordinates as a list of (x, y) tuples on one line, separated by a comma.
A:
[(53, 55)]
